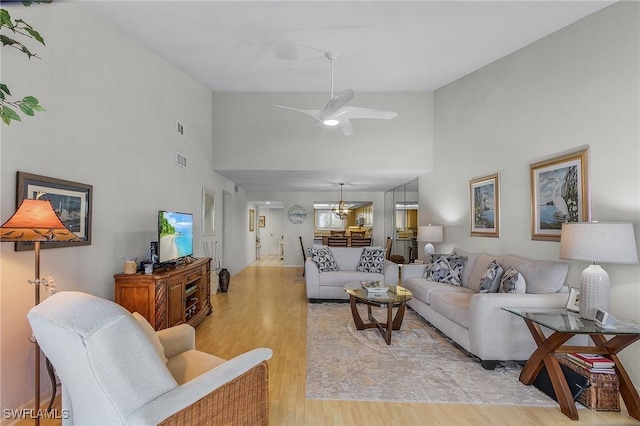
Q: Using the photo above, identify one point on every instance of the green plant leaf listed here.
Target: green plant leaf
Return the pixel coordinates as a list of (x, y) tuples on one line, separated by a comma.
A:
[(10, 113), (26, 109), (7, 41), (5, 89), (30, 100), (37, 108), (5, 18), (35, 34)]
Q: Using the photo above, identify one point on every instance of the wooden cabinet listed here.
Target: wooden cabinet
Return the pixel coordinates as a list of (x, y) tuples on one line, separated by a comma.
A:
[(168, 297)]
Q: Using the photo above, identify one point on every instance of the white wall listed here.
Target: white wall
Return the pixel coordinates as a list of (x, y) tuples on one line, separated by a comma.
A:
[(112, 108), (577, 87)]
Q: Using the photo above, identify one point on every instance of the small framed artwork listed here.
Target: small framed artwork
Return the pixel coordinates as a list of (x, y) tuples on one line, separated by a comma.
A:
[(485, 206), (252, 220), (208, 212), (262, 221), (71, 201), (573, 304), (559, 194)]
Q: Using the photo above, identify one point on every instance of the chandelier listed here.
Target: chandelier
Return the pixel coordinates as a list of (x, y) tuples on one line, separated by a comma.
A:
[(341, 209)]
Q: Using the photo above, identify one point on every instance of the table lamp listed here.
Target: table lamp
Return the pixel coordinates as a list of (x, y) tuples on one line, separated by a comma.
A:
[(429, 234), (597, 242), (35, 221)]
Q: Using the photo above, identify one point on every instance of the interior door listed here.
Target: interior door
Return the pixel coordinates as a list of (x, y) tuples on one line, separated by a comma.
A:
[(275, 231)]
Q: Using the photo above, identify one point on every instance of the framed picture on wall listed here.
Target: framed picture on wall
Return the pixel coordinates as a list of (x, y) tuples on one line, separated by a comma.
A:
[(485, 206), (208, 212), (252, 220), (559, 194), (262, 221), (71, 201)]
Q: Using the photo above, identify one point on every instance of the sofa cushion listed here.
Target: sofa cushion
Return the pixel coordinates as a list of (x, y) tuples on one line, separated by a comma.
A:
[(541, 276), (490, 280), (422, 288), (453, 305), (323, 258), (371, 260), (339, 278), (347, 258), (513, 282), (447, 268), (477, 272)]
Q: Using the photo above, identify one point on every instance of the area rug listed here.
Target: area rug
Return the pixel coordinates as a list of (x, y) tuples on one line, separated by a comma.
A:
[(420, 365)]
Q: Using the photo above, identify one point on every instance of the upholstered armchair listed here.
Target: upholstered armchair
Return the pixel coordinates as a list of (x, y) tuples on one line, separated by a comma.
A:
[(115, 369)]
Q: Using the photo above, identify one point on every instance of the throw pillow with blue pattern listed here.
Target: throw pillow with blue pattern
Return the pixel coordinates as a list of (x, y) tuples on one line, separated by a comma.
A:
[(447, 268), (323, 258), (371, 260)]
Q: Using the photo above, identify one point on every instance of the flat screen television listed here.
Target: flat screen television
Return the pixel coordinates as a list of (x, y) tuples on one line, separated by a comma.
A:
[(175, 236)]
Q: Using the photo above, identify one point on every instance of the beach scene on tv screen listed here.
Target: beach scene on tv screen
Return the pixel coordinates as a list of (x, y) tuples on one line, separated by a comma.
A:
[(176, 235)]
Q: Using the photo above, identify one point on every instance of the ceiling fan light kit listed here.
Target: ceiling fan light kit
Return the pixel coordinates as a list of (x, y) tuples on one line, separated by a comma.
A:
[(337, 112)]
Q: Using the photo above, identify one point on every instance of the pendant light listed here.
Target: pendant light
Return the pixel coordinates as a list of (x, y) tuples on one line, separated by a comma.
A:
[(341, 209)]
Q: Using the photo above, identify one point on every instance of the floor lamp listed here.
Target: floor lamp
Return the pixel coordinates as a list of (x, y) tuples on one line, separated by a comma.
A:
[(35, 221)]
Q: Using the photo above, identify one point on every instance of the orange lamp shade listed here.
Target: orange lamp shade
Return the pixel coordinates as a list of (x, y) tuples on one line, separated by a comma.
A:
[(35, 220)]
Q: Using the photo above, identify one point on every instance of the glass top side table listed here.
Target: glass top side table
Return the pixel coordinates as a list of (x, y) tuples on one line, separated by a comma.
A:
[(566, 324)]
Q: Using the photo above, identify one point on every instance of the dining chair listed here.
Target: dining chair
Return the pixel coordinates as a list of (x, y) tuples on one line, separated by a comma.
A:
[(360, 242), (337, 241)]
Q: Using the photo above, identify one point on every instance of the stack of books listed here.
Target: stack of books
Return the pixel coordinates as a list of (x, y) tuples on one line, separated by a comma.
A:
[(593, 362)]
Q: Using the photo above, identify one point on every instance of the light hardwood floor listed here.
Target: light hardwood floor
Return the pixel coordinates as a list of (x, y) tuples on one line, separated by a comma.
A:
[(267, 306)]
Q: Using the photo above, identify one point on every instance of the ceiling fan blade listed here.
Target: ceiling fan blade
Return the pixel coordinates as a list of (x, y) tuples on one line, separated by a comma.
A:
[(352, 112), (336, 103), (314, 113), (346, 127)]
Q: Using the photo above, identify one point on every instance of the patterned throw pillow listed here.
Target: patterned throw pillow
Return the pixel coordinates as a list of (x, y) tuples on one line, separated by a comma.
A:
[(323, 258), (371, 260), (447, 268), (428, 261), (490, 281), (513, 282)]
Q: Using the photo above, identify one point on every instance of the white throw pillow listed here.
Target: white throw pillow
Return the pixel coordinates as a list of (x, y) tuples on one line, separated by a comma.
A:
[(491, 279)]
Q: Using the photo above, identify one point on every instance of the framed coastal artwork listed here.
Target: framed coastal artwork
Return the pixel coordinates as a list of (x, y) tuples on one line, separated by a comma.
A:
[(71, 201), (485, 206), (559, 194), (262, 221)]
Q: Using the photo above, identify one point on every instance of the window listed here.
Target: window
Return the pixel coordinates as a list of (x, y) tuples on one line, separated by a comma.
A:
[(327, 221)]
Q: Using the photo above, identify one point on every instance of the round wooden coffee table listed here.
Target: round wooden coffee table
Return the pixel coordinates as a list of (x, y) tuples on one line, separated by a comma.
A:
[(395, 297)]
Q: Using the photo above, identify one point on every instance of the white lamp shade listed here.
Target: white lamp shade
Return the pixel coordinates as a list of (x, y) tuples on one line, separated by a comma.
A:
[(598, 242), (431, 234)]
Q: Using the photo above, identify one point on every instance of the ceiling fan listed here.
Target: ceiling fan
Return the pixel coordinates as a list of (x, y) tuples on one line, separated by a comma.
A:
[(337, 112)]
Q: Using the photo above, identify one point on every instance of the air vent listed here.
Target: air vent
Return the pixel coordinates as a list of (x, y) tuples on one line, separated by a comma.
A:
[(180, 128), (181, 160)]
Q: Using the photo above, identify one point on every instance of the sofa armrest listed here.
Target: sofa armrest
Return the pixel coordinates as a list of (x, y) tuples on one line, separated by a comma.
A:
[(391, 272), (312, 279), (412, 270), (178, 339), (495, 334), (242, 377)]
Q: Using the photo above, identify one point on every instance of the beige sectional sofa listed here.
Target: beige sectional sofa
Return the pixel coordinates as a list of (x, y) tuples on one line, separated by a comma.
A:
[(329, 285), (475, 320)]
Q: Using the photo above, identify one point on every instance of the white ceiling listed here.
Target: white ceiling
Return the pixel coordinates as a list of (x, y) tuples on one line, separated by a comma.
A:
[(383, 46)]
